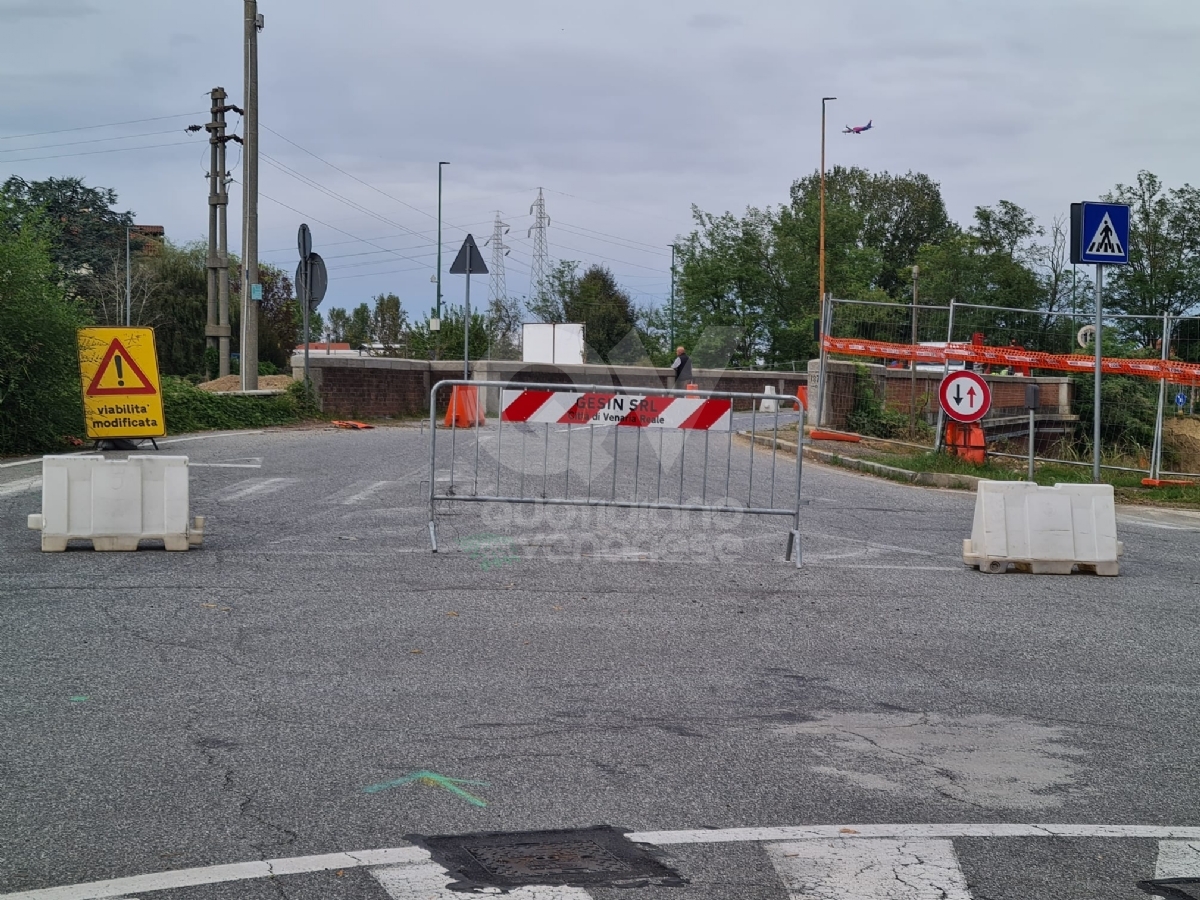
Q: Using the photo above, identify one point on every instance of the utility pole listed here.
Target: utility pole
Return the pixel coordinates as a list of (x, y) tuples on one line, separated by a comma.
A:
[(438, 342), (671, 330), (251, 289), (216, 181), (540, 268), (224, 332)]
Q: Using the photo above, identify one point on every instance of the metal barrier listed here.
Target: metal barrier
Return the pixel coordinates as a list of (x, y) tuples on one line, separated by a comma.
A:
[(541, 425)]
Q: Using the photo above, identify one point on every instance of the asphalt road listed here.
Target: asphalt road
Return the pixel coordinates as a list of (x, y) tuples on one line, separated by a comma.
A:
[(268, 695)]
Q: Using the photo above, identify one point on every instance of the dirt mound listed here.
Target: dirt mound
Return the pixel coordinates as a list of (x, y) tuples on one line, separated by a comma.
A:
[(234, 383), (1182, 436)]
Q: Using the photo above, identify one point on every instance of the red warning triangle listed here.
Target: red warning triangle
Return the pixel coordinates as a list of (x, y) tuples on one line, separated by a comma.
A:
[(127, 371)]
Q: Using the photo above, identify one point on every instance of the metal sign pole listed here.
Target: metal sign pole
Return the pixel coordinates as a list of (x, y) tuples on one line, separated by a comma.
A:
[(1096, 386), (306, 300), (467, 325)]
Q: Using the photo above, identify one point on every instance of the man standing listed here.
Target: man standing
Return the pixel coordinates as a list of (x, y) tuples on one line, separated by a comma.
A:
[(682, 368)]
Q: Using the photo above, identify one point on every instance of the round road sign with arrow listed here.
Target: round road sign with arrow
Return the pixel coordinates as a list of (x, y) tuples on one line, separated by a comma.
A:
[(965, 396)]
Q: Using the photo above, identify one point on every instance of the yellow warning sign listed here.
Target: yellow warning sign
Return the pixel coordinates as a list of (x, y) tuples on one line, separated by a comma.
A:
[(122, 395)]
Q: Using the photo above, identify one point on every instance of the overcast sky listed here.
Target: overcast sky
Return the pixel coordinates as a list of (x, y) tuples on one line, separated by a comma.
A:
[(626, 113)]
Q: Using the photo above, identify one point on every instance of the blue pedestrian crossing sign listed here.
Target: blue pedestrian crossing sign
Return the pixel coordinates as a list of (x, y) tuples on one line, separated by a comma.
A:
[(1100, 233)]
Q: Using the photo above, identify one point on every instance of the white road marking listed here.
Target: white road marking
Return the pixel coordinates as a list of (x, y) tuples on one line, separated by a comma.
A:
[(250, 462), (181, 878), (205, 437), (367, 493), (20, 485), (21, 462), (869, 869), (254, 487), (298, 865), (913, 832), (908, 568), (428, 881)]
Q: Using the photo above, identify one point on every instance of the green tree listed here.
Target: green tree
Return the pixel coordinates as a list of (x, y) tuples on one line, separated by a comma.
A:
[(40, 402), (1163, 275), (358, 329), (504, 319), (450, 338), (389, 324), (178, 307), (86, 233), (594, 299), (339, 324)]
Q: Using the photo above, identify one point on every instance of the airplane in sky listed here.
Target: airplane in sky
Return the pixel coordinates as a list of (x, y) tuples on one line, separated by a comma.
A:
[(858, 129)]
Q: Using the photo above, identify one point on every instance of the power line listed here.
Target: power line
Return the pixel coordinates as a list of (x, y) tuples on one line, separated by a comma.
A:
[(355, 177), (652, 248), (123, 137), (335, 228), (95, 152), (329, 192), (591, 237), (13, 137)]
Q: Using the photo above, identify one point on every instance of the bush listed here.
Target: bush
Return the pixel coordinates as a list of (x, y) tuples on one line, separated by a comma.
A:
[(40, 402), (188, 408), (1128, 411), (868, 416)]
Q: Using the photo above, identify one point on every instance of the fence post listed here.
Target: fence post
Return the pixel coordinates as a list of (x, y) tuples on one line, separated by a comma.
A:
[(826, 327), (941, 416), (1156, 447)]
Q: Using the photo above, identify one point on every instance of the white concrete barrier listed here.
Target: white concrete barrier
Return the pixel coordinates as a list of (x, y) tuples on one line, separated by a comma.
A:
[(115, 503), (1044, 530), (768, 405)]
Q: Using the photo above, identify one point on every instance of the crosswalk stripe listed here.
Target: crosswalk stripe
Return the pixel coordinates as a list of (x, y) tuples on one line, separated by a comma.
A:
[(20, 485), (254, 487), (428, 881), (1177, 859), (869, 869)]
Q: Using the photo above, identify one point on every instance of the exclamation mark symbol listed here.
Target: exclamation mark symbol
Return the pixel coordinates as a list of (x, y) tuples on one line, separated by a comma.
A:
[(120, 373)]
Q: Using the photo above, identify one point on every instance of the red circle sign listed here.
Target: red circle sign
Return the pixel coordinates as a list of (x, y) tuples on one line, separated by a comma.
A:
[(965, 396)]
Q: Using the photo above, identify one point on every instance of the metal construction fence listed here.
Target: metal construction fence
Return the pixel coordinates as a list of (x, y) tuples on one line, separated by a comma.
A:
[(634, 448), (884, 362)]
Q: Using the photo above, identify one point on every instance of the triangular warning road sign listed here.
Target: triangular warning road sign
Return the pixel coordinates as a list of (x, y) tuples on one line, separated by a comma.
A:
[(1105, 241), (118, 374), (468, 252)]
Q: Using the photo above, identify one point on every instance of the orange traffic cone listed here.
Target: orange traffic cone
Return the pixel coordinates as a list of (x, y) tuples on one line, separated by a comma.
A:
[(464, 410), (802, 396)]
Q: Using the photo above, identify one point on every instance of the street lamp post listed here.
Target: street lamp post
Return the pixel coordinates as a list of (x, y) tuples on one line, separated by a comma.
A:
[(821, 254), (439, 260)]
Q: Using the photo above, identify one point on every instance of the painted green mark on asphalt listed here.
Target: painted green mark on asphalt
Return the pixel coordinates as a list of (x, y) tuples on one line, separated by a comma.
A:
[(80, 699), (433, 779)]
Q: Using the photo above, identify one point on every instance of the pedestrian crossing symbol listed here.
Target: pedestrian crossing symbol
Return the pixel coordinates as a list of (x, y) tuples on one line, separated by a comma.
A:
[(1105, 241), (1100, 233)]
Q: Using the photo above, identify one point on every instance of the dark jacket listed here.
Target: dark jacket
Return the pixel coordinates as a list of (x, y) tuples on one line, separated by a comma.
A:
[(683, 370)]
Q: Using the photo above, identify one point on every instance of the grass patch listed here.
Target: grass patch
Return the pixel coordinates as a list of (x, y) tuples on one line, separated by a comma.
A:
[(1126, 485), (189, 409)]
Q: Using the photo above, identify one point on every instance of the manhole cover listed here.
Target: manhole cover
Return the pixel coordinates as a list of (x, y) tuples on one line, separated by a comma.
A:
[(582, 857)]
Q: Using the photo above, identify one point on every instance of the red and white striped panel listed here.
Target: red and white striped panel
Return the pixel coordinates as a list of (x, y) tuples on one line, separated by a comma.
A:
[(611, 408)]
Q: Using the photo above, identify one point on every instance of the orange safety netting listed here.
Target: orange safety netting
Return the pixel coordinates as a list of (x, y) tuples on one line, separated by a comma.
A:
[(1174, 371)]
